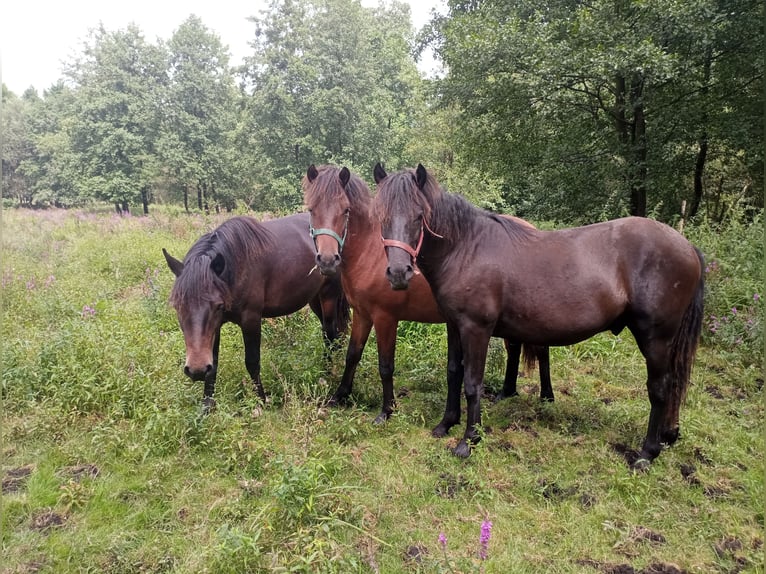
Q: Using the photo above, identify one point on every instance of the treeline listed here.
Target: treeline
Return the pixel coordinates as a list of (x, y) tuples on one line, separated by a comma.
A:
[(566, 111)]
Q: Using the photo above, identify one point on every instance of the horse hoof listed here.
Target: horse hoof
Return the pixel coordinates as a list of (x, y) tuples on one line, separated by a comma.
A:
[(641, 465), (381, 418), (462, 450), (440, 431), (208, 406)]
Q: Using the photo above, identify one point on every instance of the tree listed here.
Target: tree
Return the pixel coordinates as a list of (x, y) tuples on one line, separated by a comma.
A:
[(199, 113), (331, 82), (17, 143), (592, 110), (119, 82)]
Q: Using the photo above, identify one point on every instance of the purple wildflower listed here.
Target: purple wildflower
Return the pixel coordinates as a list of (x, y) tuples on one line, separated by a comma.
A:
[(443, 541), (50, 280), (31, 285), (733, 310), (486, 532), (88, 311), (756, 297)]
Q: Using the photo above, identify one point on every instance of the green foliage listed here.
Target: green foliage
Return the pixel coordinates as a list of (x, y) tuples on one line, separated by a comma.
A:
[(586, 111)]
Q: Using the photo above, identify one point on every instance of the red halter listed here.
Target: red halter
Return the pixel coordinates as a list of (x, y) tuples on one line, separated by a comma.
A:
[(408, 248)]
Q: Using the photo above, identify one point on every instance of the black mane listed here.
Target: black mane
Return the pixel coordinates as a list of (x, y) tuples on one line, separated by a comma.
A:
[(237, 241)]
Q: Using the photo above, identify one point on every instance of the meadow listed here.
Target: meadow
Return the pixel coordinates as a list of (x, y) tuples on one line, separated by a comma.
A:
[(107, 465)]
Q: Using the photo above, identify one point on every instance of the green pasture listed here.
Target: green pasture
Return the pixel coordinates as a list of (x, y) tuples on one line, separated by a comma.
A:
[(108, 467)]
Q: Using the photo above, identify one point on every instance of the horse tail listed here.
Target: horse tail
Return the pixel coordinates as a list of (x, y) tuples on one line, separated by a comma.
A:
[(684, 345), (529, 354), (342, 311)]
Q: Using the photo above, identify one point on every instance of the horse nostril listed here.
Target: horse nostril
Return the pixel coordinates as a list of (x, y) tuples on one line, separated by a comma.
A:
[(318, 258), (208, 369), (187, 371), (337, 257)]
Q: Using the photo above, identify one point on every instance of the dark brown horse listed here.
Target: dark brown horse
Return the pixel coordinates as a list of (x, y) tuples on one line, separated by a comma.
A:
[(492, 276), (348, 240), (242, 272)]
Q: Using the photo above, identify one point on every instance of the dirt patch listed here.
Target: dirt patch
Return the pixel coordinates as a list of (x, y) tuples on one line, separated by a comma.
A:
[(79, 471), (701, 456), (46, 519), (416, 553), (16, 478), (609, 568), (450, 485), (630, 455), (553, 491), (714, 392), (688, 472)]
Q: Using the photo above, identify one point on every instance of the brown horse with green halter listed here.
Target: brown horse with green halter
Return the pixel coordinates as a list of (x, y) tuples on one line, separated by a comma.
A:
[(242, 272), (348, 244), (494, 277)]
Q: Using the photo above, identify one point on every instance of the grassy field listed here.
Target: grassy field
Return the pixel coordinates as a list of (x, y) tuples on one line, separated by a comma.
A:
[(108, 467)]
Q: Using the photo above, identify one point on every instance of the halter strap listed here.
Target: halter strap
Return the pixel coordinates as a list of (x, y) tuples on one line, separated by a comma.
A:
[(325, 231), (408, 248)]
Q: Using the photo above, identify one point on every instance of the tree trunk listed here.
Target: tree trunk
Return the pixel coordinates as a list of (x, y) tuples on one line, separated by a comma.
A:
[(125, 208), (145, 200), (638, 145), (699, 165), (199, 195), (186, 198)]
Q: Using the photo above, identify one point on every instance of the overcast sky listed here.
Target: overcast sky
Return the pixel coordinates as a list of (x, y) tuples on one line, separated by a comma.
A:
[(36, 36)]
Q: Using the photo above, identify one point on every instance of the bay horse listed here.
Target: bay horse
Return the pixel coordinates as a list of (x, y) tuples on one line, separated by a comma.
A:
[(348, 243), (492, 276), (242, 272)]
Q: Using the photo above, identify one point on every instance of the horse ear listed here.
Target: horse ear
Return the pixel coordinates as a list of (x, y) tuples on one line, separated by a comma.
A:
[(344, 176), (379, 173), (218, 264), (421, 176), (312, 172), (175, 265)]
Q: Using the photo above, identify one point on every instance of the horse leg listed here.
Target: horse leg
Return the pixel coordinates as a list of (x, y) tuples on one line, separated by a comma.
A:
[(252, 339), (454, 383), (544, 365), (659, 385), (513, 352), (385, 334), (360, 332), (474, 341), (208, 402)]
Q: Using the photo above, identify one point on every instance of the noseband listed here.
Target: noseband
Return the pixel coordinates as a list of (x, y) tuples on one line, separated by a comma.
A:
[(325, 231), (407, 247)]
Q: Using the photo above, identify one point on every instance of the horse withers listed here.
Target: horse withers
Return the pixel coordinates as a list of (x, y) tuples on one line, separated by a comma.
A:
[(492, 276), (348, 244), (242, 272)]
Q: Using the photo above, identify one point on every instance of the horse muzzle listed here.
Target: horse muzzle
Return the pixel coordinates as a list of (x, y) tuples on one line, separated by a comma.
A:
[(399, 278), (199, 373), (328, 264)]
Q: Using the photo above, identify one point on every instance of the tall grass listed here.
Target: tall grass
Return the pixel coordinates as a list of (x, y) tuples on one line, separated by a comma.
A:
[(108, 467)]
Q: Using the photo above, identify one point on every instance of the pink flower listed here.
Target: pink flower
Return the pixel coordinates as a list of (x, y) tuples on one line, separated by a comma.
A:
[(486, 533)]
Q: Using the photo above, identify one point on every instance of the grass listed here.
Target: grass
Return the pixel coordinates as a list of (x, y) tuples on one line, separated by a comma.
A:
[(107, 466)]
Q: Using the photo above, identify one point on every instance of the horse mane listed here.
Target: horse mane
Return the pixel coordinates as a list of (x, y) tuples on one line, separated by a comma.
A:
[(450, 215), (238, 241), (326, 186)]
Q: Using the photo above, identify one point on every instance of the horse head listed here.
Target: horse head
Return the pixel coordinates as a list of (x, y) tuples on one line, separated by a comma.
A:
[(324, 193), (200, 306), (403, 216)]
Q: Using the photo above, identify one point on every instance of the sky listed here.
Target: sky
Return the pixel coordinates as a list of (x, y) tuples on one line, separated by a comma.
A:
[(36, 37)]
